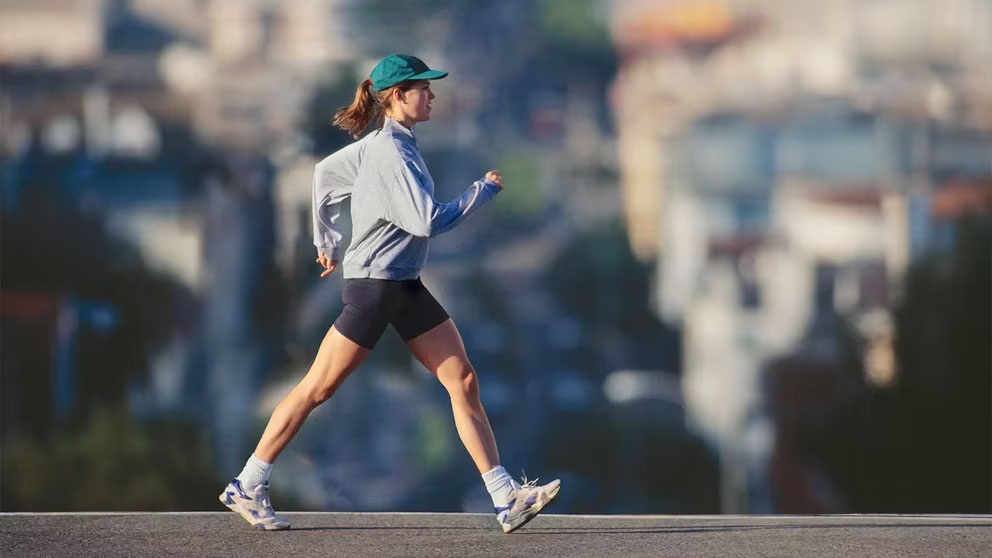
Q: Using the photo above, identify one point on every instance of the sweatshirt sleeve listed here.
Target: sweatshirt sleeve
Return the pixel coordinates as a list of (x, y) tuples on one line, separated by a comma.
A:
[(413, 208), (333, 182)]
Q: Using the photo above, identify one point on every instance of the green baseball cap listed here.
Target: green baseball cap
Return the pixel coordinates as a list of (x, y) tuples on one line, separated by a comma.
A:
[(397, 68)]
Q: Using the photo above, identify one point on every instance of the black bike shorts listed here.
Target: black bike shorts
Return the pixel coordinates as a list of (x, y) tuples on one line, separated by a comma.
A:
[(371, 304)]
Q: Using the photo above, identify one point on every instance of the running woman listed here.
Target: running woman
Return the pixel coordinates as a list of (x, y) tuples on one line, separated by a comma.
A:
[(394, 215)]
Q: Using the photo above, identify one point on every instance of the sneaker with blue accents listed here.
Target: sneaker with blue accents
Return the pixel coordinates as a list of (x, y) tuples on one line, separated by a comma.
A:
[(526, 501), (253, 505)]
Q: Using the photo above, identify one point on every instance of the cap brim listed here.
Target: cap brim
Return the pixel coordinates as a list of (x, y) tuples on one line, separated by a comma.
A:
[(429, 74)]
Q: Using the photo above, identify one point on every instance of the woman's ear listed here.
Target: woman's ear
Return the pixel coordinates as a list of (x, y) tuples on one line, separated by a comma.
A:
[(398, 95)]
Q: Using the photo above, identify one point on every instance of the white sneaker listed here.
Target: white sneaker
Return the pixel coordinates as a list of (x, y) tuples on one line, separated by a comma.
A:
[(526, 502), (254, 507)]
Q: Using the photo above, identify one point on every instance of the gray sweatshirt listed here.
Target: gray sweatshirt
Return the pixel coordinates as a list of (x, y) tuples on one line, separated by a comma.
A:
[(393, 210)]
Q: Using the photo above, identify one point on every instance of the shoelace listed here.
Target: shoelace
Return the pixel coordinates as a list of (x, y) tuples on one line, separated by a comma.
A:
[(263, 498), (527, 483)]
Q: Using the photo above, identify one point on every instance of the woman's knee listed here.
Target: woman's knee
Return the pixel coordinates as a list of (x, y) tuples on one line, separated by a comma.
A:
[(461, 381), (319, 390), (325, 378), (320, 394)]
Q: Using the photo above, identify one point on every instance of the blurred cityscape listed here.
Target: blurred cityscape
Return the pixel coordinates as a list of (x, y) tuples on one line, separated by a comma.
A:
[(742, 264)]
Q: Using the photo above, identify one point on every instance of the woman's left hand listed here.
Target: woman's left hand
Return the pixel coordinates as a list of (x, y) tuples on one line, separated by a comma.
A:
[(328, 264)]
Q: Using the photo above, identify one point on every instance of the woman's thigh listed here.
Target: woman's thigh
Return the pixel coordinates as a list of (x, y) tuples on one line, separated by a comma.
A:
[(336, 358), (441, 351), (417, 311), (366, 311)]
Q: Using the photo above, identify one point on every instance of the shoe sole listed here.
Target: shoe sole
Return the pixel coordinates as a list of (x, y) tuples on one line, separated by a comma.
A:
[(537, 510), (247, 516)]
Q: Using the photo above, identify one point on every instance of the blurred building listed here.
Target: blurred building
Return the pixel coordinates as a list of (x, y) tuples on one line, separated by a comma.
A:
[(782, 163), (683, 60), (73, 31)]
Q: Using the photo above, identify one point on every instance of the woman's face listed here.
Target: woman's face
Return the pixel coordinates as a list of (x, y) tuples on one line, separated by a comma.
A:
[(414, 104)]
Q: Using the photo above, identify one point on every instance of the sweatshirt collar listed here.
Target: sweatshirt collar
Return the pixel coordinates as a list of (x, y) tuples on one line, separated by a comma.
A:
[(394, 125)]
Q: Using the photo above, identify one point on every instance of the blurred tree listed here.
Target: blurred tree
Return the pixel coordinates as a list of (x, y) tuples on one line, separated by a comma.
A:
[(637, 457), (934, 448), (317, 121), (599, 262), (922, 445), (596, 278), (51, 461), (580, 23), (523, 203), (111, 463), (49, 248)]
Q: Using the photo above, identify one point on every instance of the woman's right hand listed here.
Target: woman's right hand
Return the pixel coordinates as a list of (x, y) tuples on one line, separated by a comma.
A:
[(494, 177), (328, 264)]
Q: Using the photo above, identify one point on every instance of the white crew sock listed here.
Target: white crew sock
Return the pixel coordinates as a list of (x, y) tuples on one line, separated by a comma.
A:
[(255, 473), (500, 485)]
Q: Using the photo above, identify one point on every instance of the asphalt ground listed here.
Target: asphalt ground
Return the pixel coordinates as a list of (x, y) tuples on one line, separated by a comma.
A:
[(466, 535)]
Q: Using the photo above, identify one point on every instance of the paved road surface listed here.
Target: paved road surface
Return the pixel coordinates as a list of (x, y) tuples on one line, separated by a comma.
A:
[(467, 535)]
